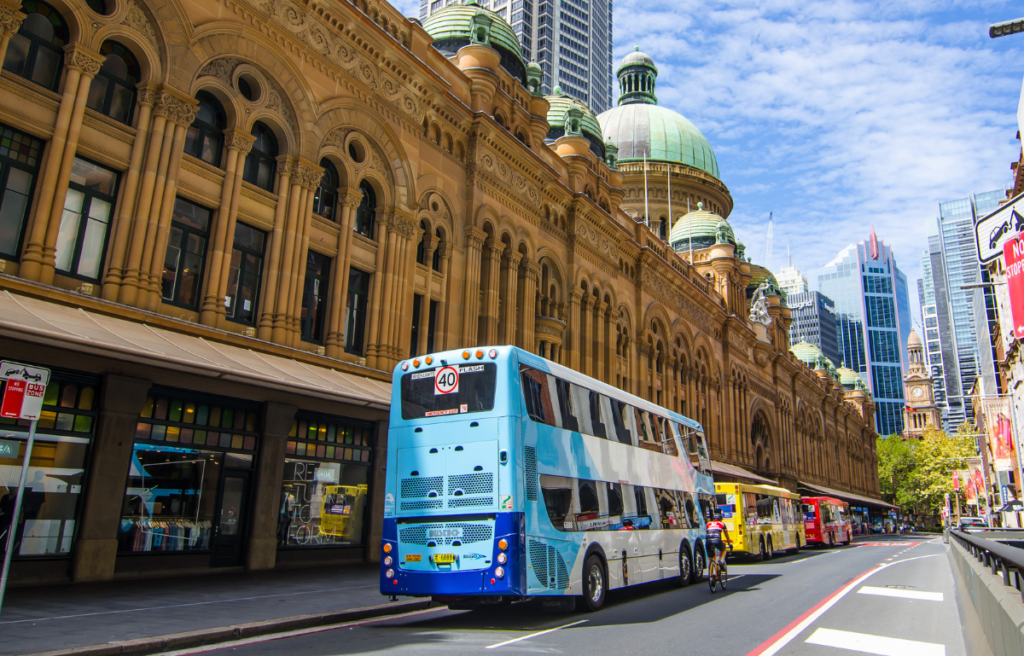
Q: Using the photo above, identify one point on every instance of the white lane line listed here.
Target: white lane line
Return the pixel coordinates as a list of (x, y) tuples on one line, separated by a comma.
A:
[(904, 594), (872, 644), (534, 635)]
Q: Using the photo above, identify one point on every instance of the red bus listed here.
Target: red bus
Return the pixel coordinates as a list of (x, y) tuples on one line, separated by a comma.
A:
[(826, 521)]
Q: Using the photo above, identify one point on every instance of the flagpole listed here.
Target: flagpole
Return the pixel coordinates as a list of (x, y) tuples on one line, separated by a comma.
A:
[(669, 229), (647, 220), (689, 228)]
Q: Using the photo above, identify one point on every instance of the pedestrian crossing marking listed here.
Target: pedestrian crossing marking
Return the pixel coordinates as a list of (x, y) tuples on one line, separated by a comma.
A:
[(904, 594), (872, 644)]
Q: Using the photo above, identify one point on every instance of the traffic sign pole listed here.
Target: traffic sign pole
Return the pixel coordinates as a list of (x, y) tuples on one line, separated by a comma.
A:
[(17, 511)]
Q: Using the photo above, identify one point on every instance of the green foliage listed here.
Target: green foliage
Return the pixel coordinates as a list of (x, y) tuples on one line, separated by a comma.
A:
[(918, 473)]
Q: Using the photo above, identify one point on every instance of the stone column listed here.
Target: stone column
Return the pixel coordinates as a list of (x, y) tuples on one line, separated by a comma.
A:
[(471, 301), (10, 23), (266, 500), (293, 217), (380, 315), (95, 551), (373, 305), (223, 230), (285, 171), (586, 336), (510, 306), (492, 293), (37, 260), (309, 176), (572, 339), (122, 228), (643, 363), (600, 319), (442, 303), (339, 287), (528, 311)]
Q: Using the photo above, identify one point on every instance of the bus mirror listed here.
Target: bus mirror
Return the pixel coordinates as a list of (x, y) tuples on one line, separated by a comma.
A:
[(503, 456)]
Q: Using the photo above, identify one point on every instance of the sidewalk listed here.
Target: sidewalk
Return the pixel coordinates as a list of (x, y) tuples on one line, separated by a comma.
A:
[(53, 618)]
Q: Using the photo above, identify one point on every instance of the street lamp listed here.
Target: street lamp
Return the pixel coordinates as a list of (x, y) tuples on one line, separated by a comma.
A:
[(1006, 28)]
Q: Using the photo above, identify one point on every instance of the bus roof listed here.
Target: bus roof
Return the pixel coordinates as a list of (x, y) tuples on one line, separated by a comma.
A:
[(767, 488)]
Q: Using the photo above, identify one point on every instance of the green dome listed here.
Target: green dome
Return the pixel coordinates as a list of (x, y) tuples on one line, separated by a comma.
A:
[(811, 355), (451, 29), (699, 227), (849, 378), (660, 133), (758, 275), (558, 113)]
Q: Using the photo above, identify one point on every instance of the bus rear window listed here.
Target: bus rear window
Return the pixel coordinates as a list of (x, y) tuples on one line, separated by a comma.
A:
[(474, 391)]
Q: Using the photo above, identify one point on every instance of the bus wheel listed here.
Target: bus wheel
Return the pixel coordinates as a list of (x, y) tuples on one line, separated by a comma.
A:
[(769, 552), (685, 565), (698, 563), (594, 588), (760, 549), (828, 541)]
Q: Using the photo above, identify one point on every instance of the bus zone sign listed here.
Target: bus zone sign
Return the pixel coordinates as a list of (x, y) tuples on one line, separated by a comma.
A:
[(23, 396)]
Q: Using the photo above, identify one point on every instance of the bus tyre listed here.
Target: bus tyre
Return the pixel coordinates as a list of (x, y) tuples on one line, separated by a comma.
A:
[(698, 563), (769, 552), (685, 565), (828, 541), (760, 549), (594, 586)]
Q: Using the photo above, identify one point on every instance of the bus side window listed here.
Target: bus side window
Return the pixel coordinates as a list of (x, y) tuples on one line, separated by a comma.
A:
[(668, 505), (581, 408), (692, 510), (669, 445), (557, 491), (620, 417), (750, 502), (596, 424), (640, 495), (615, 506), (588, 498), (569, 421), (534, 393)]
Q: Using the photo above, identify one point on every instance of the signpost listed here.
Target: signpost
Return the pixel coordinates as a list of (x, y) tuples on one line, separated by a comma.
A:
[(999, 227), (23, 399)]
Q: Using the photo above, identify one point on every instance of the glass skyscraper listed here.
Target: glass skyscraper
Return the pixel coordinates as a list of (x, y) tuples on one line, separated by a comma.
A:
[(571, 40), (872, 304)]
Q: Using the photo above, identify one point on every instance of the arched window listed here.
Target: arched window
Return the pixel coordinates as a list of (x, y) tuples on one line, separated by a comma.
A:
[(112, 91), (205, 137), (421, 250), (261, 162), (36, 51), (326, 197), (436, 264), (366, 210)]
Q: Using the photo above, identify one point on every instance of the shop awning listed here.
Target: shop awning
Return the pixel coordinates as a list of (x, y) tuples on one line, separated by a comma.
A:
[(739, 472), (847, 496), (43, 322)]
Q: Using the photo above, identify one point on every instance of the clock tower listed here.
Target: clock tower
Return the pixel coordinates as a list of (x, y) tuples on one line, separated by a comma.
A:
[(920, 413)]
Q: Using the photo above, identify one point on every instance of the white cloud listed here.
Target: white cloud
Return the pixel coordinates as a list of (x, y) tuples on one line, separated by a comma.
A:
[(838, 114)]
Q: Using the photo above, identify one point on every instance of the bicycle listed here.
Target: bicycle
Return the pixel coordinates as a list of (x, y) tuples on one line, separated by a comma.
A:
[(717, 574)]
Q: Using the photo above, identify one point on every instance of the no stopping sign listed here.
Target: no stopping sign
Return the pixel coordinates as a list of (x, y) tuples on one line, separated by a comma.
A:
[(446, 380)]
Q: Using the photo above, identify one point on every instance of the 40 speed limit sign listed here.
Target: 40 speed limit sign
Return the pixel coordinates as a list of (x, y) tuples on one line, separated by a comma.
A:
[(446, 380)]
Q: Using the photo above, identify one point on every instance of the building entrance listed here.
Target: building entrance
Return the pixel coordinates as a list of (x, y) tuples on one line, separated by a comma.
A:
[(231, 526)]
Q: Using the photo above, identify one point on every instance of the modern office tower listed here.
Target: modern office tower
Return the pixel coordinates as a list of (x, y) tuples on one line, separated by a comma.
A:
[(872, 305), (953, 286), (571, 40), (792, 281), (814, 321)]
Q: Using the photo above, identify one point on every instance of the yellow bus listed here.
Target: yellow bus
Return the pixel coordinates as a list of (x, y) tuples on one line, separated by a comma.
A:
[(761, 519), (341, 512)]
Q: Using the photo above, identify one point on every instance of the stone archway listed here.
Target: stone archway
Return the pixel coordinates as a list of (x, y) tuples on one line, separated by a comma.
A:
[(761, 440)]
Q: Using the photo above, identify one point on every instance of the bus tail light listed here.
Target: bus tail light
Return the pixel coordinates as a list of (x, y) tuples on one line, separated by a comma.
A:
[(479, 355), (428, 359), (405, 366), (499, 572), (387, 560), (503, 544), (465, 355), (390, 573), (502, 558), (493, 353), (415, 363), (387, 547)]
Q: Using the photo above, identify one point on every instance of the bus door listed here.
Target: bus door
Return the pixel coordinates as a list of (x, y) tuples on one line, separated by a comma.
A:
[(812, 523)]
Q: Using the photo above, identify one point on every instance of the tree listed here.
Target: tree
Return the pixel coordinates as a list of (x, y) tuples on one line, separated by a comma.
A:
[(896, 462), (937, 455)]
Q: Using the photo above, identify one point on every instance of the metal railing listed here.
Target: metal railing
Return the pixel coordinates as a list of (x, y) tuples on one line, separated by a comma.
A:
[(996, 556)]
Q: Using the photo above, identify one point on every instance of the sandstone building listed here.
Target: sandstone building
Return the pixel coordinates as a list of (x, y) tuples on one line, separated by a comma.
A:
[(224, 223)]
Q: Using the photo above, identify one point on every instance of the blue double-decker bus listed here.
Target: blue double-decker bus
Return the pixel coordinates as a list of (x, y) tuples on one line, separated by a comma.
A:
[(511, 477)]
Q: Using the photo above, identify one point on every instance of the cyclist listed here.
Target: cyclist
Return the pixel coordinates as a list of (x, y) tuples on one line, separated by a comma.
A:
[(716, 532)]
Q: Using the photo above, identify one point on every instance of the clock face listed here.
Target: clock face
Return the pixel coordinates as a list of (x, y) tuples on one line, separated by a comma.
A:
[(918, 392)]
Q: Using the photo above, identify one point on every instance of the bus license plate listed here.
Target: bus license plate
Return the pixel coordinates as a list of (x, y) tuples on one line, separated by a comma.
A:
[(444, 559), (413, 558)]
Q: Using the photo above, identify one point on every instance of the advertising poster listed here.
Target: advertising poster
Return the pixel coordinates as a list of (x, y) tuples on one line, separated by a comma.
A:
[(1000, 433), (971, 492), (977, 478)]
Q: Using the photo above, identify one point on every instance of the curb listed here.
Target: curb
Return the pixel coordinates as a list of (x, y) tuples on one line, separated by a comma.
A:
[(175, 641)]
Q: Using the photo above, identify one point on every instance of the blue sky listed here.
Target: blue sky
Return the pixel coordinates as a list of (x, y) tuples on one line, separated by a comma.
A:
[(836, 115)]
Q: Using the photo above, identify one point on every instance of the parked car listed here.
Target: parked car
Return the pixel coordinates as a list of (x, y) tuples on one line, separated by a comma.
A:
[(971, 522)]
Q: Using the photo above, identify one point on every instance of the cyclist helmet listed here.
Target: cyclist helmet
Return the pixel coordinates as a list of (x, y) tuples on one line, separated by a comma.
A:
[(717, 517)]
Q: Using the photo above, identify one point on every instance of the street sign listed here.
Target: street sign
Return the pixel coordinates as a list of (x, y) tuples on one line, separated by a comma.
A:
[(1013, 254), (446, 380), (26, 386), (999, 227), (9, 449)]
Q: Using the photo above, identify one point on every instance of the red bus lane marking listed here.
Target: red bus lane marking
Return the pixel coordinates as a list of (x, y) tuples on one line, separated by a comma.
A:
[(775, 643)]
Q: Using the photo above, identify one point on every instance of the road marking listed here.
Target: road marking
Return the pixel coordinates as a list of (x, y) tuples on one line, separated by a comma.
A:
[(872, 644), (905, 594), (774, 644), (294, 634), (534, 635)]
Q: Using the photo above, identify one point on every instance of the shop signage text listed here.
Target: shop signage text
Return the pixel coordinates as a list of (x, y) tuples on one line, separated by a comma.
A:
[(8, 449), (1013, 253)]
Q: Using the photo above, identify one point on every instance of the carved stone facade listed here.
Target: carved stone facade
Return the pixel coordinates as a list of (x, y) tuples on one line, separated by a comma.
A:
[(495, 236)]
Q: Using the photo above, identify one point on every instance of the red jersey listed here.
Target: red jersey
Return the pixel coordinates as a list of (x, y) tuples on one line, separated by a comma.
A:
[(715, 530)]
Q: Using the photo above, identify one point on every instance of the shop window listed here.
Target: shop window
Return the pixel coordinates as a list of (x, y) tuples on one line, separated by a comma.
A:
[(88, 208), (56, 474), (186, 253), (435, 263), (355, 313), (325, 199), (36, 52), (112, 91), (187, 455), (326, 478), (414, 332), (421, 248), (244, 279), (364, 222), (204, 139), (314, 297), (261, 162), (19, 166), (431, 325)]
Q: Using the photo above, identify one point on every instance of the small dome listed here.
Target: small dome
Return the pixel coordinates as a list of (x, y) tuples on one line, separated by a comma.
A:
[(914, 340), (811, 355), (849, 378), (636, 57), (758, 275), (559, 105), (699, 227), (451, 28)]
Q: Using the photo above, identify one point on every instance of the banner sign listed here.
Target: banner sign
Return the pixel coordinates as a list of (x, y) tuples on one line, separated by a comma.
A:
[(970, 489), (977, 478), (1000, 432), (956, 480), (1013, 254), (994, 230)]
